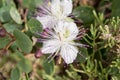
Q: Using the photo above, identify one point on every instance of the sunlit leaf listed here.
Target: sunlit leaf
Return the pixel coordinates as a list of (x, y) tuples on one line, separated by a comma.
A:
[(15, 15)]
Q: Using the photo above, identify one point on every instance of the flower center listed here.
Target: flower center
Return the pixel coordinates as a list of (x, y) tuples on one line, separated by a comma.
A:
[(64, 35)]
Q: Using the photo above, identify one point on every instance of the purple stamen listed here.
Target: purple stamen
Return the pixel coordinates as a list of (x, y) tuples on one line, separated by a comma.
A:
[(44, 9), (71, 16), (81, 45), (41, 40), (79, 38), (49, 31)]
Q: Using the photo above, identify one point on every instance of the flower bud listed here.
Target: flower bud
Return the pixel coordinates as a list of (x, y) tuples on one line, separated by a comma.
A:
[(2, 32), (38, 53)]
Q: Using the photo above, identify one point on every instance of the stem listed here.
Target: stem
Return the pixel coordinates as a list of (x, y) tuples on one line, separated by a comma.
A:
[(87, 41), (25, 20), (10, 43), (77, 70), (26, 75), (94, 49)]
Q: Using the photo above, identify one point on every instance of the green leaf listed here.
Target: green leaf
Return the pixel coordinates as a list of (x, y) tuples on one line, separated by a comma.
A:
[(23, 41), (15, 15), (114, 71), (10, 3), (84, 13), (27, 3), (34, 25), (15, 74), (31, 4), (82, 57), (17, 56), (49, 67), (4, 14), (1, 3), (10, 27), (116, 8), (4, 41), (25, 65), (38, 2)]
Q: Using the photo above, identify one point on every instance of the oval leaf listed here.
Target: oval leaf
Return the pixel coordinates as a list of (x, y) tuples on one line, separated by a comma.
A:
[(34, 25), (10, 27), (15, 15), (15, 74), (25, 65), (49, 67), (84, 13), (4, 14), (23, 41)]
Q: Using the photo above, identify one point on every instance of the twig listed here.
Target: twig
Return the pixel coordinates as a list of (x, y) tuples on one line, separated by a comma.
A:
[(10, 43)]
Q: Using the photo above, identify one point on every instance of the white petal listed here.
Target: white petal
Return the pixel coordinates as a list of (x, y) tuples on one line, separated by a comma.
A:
[(68, 53), (59, 26), (46, 21), (67, 6), (73, 30), (50, 46), (70, 27), (55, 7)]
